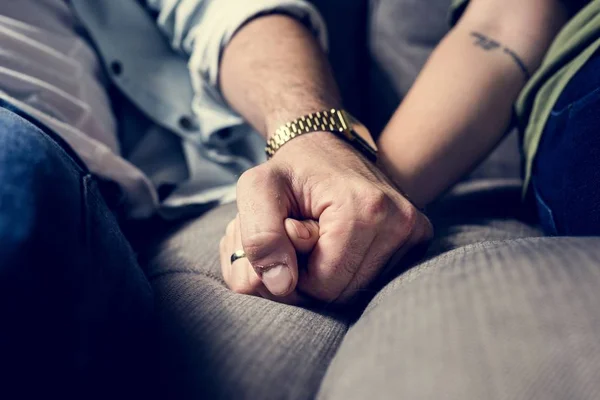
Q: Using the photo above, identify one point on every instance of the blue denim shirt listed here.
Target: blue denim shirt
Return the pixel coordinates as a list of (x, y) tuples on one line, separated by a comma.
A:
[(174, 82)]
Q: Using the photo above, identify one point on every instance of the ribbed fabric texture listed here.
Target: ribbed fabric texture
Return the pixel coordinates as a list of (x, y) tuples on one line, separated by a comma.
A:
[(218, 344), (517, 319), (487, 315), (491, 313), (460, 325)]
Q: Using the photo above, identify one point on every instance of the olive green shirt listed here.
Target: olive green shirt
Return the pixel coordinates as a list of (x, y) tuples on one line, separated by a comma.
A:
[(571, 49)]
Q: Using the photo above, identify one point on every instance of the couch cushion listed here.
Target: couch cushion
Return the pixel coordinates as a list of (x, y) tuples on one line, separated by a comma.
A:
[(515, 319), (224, 345)]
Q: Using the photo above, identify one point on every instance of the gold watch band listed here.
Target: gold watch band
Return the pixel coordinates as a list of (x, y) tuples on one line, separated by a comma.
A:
[(327, 121), (334, 120)]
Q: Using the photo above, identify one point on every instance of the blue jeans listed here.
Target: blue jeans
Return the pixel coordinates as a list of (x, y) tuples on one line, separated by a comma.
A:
[(566, 173), (75, 308)]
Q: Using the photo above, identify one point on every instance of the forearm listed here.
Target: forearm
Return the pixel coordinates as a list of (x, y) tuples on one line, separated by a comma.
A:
[(274, 71), (461, 104)]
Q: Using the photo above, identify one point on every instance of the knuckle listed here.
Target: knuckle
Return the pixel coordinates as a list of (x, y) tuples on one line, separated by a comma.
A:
[(404, 225), (410, 216), (249, 176), (424, 229), (376, 206), (411, 227), (257, 176)]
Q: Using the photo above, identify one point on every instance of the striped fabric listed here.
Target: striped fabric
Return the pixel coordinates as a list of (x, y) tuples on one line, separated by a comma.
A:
[(515, 319), (493, 312)]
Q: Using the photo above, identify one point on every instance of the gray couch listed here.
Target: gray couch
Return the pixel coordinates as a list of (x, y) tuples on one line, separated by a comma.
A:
[(492, 311)]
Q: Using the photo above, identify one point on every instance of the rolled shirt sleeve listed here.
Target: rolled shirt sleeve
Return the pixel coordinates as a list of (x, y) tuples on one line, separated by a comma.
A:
[(201, 29)]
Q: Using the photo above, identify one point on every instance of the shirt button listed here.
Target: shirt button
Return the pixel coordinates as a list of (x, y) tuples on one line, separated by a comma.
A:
[(188, 123), (116, 68)]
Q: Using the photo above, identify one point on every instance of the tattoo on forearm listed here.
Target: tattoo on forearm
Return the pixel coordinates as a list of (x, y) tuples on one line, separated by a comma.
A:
[(489, 44), (518, 61), (485, 42)]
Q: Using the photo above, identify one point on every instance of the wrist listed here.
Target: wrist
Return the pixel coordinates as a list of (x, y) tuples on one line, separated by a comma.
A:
[(275, 119), (339, 123), (313, 144)]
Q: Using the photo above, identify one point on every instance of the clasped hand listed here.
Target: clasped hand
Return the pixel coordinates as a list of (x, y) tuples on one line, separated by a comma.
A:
[(319, 201)]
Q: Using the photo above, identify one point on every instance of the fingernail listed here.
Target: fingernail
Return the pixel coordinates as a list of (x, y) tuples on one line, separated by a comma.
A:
[(277, 279), (301, 230)]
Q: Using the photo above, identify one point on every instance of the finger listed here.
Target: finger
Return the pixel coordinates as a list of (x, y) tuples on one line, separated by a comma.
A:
[(224, 258), (254, 282), (372, 265), (243, 279), (225, 252), (391, 244), (240, 276), (337, 256), (263, 207), (303, 234)]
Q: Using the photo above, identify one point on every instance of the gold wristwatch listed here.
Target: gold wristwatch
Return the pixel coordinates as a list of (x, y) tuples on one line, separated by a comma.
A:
[(336, 121)]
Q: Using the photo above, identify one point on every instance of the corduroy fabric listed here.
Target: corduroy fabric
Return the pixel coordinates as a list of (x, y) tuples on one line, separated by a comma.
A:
[(223, 345), (516, 319), (218, 344)]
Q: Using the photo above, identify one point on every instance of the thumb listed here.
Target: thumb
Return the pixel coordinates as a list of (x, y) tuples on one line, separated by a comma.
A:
[(303, 234), (263, 210)]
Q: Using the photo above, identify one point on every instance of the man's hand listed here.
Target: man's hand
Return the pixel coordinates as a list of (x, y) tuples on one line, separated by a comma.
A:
[(241, 277), (272, 72), (363, 220)]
